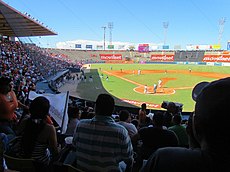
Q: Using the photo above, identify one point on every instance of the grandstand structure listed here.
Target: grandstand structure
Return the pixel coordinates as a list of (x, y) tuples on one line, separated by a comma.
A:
[(167, 56), (16, 24)]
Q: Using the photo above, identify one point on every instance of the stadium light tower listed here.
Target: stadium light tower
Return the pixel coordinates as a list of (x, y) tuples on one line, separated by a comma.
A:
[(165, 25), (104, 27), (110, 26), (221, 29)]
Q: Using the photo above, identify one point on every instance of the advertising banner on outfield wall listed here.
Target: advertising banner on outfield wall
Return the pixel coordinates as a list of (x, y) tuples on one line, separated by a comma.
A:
[(99, 47), (203, 47), (89, 46), (216, 58), (162, 57), (120, 47), (164, 47), (111, 56), (216, 46), (77, 45), (143, 48), (110, 46), (228, 46)]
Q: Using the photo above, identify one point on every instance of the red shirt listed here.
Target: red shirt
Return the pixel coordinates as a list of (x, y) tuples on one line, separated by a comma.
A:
[(8, 105)]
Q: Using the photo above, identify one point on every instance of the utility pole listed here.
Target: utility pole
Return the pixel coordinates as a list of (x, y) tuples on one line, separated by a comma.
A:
[(104, 27), (165, 25), (110, 26), (221, 29)]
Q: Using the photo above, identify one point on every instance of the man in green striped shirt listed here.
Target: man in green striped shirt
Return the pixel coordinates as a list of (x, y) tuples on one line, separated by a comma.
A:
[(101, 143)]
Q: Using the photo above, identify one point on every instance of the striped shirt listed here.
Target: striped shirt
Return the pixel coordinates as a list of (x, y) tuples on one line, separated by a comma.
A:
[(40, 153), (101, 144)]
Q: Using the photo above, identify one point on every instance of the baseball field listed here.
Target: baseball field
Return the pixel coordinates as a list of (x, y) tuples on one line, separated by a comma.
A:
[(133, 83)]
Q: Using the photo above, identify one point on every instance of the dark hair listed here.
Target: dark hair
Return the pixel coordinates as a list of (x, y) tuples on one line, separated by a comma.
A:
[(5, 85), (73, 112), (124, 115), (177, 119), (158, 118), (4, 81), (172, 107), (39, 109), (104, 105), (143, 106)]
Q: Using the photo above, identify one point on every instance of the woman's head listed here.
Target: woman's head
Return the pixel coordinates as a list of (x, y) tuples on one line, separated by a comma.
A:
[(5, 85), (39, 108)]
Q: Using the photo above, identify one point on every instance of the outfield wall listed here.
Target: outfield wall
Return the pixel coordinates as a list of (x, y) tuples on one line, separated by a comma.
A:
[(96, 56)]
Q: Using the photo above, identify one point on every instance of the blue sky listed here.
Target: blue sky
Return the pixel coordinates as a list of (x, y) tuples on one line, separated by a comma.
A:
[(136, 21)]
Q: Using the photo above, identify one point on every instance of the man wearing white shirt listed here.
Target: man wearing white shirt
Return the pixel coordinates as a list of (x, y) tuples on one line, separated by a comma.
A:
[(125, 121)]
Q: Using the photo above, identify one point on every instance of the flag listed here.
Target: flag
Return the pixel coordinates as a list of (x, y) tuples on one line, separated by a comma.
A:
[(58, 107)]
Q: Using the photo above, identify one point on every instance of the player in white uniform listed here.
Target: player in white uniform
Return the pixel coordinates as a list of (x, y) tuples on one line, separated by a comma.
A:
[(145, 89), (159, 83)]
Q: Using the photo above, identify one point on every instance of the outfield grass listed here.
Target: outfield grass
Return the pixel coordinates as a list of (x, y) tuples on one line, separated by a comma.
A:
[(122, 89)]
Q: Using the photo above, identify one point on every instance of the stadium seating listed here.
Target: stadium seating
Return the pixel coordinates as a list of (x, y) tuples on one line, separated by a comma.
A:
[(189, 56), (19, 164)]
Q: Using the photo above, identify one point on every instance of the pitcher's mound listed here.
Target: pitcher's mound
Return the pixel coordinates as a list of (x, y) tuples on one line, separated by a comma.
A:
[(159, 91)]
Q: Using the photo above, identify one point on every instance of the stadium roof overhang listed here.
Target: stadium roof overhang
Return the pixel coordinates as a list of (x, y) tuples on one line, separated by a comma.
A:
[(15, 24)]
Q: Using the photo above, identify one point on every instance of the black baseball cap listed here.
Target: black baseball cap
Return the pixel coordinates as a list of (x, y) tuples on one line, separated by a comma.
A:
[(216, 88), (211, 117)]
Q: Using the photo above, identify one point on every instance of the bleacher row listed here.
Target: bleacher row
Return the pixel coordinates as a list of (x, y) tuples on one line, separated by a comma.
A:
[(191, 56), (89, 56)]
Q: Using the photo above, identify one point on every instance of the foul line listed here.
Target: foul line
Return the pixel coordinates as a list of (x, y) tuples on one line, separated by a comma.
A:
[(133, 82), (136, 83)]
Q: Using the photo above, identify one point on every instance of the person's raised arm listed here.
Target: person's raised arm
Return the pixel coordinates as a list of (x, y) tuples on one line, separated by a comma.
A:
[(53, 141)]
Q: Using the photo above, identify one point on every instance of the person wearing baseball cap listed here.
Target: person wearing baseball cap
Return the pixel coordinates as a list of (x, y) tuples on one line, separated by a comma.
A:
[(210, 124)]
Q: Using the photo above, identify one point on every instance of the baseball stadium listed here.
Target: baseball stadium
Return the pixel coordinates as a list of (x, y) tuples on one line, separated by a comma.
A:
[(132, 73), (67, 81)]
